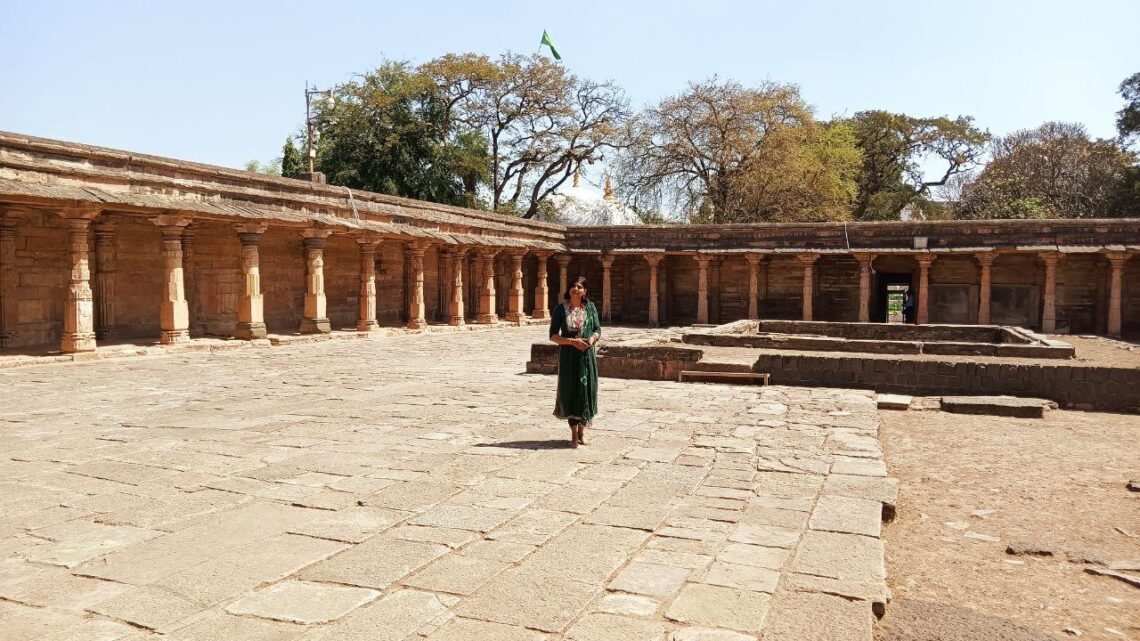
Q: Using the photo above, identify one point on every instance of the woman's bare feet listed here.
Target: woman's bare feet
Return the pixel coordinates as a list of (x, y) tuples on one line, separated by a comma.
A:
[(574, 435), (581, 436)]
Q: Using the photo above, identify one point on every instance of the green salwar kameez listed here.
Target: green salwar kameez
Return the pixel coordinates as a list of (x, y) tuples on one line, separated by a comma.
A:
[(577, 397)]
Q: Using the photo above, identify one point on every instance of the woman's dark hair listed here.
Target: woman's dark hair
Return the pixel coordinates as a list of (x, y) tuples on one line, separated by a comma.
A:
[(581, 280)]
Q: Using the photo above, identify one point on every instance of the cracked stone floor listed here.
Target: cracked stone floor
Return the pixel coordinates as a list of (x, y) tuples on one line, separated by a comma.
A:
[(417, 487)]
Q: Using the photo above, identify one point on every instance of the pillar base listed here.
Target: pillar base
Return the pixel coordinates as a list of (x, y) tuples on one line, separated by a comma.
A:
[(487, 319), (540, 314), (250, 331), (73, 343), (174, 336), (417, 323), (367, 325), (456, 321), (315, 326), (515, 317)]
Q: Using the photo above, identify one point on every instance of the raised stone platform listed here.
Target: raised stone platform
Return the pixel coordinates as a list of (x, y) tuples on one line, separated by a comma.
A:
[(414, 488), (997, 406)]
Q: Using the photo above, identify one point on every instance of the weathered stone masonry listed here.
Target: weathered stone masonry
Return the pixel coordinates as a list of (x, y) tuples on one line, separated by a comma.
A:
[(98, 244)]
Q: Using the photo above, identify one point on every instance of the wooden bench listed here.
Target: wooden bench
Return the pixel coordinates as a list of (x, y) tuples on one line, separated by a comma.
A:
[(738, 378)]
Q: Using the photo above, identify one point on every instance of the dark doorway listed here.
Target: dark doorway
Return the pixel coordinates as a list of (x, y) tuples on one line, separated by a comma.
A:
[(890, 290)]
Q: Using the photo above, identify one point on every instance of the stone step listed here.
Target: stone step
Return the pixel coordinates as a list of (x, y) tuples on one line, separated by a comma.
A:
[(735, 378), (893, 401), (998, 406)]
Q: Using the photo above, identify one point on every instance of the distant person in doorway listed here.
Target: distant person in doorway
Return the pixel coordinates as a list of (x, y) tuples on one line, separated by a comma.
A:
[(576, 328), (908, 308)]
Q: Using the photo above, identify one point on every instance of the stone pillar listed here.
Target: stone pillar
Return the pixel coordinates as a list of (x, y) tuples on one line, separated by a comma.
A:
[(865, 261), (1049, 300), (542, 289), (78, 309), (416, 309), (366, 321), (922, 303), (487, 313), (174, 315), (196, 324), (515, 301), (702, 289), (563, 274), (251, 304), (104, 289), (607, 303), (753, 285), (808, 261), (654, 260), (315, 320), (1116, 262), (9, 280), (985, 262), (458, 257)]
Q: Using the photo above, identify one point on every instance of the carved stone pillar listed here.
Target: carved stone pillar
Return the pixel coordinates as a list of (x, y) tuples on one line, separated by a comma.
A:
[(515, 301), (865, 261), (1049, 300), (753, 284), (174, 314), (1116, 262), (315, 320), (196, 323), (416, 318), (104, 289), (563, 274), (487, 314), (78, 309), (542, 289), (456, 316), (702, 289), (367, 318), (808, 261), (251, 304), (9, 279), (607, 290), (985, 262), (654, 260), (922, 311)]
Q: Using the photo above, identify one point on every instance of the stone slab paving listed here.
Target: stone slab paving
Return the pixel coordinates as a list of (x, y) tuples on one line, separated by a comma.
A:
[(415, 487)]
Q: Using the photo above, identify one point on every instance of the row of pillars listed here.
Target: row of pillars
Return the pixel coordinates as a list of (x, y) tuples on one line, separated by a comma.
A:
[(922, 304)]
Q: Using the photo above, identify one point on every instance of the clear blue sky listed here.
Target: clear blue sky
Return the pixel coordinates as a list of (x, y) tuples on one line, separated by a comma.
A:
[(221, 82)]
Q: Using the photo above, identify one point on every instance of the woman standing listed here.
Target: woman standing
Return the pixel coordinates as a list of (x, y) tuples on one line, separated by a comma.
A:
[(575, 327)]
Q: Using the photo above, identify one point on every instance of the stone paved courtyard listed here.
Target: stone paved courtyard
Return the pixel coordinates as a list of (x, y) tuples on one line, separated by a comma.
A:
[(416, 487)]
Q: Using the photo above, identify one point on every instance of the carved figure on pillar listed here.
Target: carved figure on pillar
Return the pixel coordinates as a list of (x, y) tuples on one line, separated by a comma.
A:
[(654, 312), (367, 320), (315, 320), (416, 311), (79, 311), (487, 314), (754, 260), (985, 262), (607, 305), (251, 304), (104, 289), (1049, 301), (542, 289), (922, 311), (808, 261), (174, 315), (9, 281), (515, 302)]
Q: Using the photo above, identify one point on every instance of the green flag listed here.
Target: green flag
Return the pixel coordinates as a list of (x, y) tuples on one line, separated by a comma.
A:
[(546, 41)]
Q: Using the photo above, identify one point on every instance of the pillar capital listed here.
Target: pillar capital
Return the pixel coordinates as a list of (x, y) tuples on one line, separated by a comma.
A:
[(166, 221), (654, 259), (104, 229), (607, 260), (1050, 258), (925, 259), (865, 258), (808, 258), (251, 228), (985, 259), (563, 260), (542, 254), (753, 258), (1117, 258), (88, 212)]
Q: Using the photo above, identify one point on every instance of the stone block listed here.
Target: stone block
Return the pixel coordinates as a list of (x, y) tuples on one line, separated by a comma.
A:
[(847, 514), (300, 602), (720, 607), (649, 579)]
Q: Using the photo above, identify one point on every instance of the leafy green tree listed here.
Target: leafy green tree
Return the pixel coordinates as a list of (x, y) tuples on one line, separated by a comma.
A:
[(1128, 118), (292, 163), (1054, 171), (272, 167), (897, 148), (720, 152)]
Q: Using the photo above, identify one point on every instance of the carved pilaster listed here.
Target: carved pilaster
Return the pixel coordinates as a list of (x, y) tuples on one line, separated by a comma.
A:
[(456, 308), (922, 311), (1116, 262), (367, 319), (1049, 300), (251, 304), (542, 289), (9, 280), (654, 313), (487, 314), (865, 261), (315, 320), (985, 262), (808, 295), (415, 254), (515, 302), (563, 261), (607, 291), (174, 313), (104, 290), (702, 289), (754, 260)]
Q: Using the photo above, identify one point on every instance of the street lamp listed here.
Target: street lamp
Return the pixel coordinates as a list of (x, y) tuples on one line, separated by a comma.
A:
[(311, 135)]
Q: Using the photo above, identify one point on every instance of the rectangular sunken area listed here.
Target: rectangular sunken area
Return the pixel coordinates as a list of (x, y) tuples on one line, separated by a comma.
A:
[(880, 338)]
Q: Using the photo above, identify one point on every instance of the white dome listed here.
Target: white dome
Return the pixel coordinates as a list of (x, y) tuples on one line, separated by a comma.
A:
[(587, 206)]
